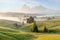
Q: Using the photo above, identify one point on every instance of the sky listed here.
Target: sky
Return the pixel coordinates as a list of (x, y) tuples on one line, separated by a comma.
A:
[(30, 6)]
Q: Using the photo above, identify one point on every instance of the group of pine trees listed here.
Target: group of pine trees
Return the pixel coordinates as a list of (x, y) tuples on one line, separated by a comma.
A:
[(35, 27)]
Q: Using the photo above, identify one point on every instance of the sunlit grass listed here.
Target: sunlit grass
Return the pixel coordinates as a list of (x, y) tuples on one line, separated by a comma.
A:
[(8, 31), (49, 37), (12, 34)]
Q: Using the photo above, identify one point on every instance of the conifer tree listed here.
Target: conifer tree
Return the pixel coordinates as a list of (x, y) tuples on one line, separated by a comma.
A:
[(35, 28), (45, 29)]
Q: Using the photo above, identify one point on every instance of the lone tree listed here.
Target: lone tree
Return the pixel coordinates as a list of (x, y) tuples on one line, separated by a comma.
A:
[(35, 28), (30, 19), (45, 29)]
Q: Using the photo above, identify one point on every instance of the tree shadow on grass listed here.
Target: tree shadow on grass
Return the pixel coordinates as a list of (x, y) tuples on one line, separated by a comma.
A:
[(50, 31)]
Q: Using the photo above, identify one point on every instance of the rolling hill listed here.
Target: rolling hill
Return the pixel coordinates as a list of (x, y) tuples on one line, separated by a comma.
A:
[(9, 31)]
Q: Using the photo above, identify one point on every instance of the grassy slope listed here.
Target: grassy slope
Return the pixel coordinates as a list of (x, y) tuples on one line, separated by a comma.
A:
[(49, 37), (51, 25), (7, 33), (12, 34)]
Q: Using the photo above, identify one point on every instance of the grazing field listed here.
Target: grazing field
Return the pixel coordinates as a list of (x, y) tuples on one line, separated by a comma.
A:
[(9, 30)]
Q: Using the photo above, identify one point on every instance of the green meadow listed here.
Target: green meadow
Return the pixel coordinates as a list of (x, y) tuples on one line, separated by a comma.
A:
[(9, 30)]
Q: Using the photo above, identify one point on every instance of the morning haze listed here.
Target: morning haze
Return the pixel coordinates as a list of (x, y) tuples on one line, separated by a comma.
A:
[(29, 19)]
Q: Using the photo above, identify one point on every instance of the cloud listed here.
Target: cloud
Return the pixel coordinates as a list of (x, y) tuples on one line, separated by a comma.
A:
[(25, 9), (35, 9), (8, 1), (32, 2), (39, 9), (48, 0), (54, 0)]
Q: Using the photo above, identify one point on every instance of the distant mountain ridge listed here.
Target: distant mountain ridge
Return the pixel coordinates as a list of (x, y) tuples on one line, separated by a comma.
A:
[(16, 14)]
